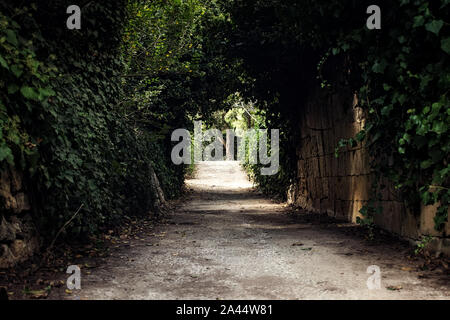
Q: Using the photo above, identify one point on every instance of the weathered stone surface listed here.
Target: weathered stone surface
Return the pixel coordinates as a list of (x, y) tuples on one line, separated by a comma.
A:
[(440, 245), (427, 222), (22, 203), (341, 186), (332, 188), (410, 225), (356, 207), (16, 181), (18, 234), (19, 242), (322, 166), (356, 162), (18, 251), (361, 187), (7, 231), (10, 187)]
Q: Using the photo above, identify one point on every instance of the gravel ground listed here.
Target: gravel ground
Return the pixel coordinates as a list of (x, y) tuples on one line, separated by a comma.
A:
[(227, 241)]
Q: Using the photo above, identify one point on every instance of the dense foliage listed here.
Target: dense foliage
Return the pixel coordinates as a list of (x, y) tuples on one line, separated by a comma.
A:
[(62, 122), (87, 114), (401, 74)]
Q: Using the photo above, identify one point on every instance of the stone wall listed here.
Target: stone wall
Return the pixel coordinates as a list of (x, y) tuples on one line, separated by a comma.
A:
[(18, 236), (341, 186)]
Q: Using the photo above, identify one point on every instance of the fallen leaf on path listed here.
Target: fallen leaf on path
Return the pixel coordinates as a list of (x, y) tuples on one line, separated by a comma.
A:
[(407, 269), (38, 294), (394, 288)]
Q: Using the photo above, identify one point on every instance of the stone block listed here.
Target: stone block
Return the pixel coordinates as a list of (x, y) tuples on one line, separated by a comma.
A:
[(355, 163), (328, 142), (301, 168), (16, 180), (320, 144), (356, 207), (343, 164), (347, 208), (20, 241), (325, 187), (427, 215), (319, 189), (361, 186), (344, 188), (321, 162), (7, 231), (328, 165), (22, 203)]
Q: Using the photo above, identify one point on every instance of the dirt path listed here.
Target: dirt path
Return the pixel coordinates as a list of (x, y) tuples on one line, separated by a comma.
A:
[(228, 242)]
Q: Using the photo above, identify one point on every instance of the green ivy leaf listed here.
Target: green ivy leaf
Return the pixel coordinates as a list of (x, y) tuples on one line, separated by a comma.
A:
[(426, 164), (434, 26), (6, 154), (379, 67), (44, 93), (29, 93), (13, 88), (440, 219), (439, 127), (445, 45), (361, 136), (418, 21), (16, 70), (3, 63), (11, 37), (385, 111)]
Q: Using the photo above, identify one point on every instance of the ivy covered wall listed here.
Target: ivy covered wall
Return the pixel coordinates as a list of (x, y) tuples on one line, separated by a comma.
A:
[(63, 126), (398, 75)]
